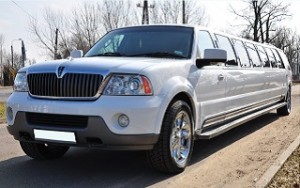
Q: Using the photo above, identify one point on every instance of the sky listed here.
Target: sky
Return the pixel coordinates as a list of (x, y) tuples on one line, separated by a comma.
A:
[(14, 17)]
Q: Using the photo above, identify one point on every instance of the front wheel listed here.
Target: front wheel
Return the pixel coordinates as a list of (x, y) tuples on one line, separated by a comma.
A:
[(43, 151), (286, 109), (173, 150)]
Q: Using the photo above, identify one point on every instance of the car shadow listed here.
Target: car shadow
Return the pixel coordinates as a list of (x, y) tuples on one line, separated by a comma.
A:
[(96, 168)]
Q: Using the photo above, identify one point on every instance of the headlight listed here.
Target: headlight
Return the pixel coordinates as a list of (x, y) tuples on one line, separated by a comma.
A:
[(20, 83), (126, 84)]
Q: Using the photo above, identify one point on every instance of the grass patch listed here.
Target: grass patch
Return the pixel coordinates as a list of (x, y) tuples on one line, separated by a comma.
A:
[(2, 112), (289, 174)]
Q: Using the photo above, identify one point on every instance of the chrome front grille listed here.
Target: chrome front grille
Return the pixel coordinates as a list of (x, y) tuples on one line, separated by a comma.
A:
[(71, 85)]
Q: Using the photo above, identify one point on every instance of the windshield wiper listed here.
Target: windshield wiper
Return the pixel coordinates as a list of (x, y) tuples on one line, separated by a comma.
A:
[(159, 54), (117, 54)]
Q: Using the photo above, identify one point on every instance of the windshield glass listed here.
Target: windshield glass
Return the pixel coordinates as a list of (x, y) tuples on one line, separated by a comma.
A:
[(149, 41)]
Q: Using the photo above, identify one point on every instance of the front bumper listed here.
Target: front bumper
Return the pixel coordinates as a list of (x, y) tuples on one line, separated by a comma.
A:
[(144, 112), (95, 134)]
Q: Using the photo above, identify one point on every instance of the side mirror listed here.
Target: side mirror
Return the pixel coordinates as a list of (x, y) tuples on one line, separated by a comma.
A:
[(214, 55), (76, 53)]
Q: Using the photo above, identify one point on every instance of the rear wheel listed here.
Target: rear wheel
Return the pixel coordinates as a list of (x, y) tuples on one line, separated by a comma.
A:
[(43, 151), (174, 148), (286, 109)]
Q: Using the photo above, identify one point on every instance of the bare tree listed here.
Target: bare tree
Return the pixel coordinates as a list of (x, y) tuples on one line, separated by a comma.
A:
[(170, 11), (44, 32), (86, 25), (262, 17), (195, 14), (287, 40), (115, 13), (91, 20)]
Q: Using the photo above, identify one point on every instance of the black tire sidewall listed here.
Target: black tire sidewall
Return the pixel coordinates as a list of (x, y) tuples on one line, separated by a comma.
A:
[(168, 124), (42, 152)]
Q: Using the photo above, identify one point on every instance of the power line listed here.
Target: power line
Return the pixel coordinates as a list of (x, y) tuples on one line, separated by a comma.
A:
[(22, 9)]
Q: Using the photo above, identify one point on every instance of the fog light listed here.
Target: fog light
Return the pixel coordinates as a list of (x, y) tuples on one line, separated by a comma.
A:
[(123, 120), (9, 113)]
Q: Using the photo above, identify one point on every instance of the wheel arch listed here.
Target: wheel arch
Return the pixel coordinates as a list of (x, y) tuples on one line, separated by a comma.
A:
[(184, 96), (188, 99)]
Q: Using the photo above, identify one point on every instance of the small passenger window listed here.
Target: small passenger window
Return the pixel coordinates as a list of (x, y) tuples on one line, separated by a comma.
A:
[(241, 53), (224, 43), (204, 42), (271, 56), (263, 56), (253, 55), (278, 59)]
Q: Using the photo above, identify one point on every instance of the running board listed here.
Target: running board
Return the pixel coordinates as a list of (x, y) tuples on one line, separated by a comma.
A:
[(226, 127)]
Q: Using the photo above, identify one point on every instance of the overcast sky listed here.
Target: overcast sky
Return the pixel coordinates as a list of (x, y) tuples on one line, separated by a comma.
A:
[(14, 18)]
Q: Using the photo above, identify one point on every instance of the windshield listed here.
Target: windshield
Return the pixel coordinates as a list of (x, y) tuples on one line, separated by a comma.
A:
[(149, 41)]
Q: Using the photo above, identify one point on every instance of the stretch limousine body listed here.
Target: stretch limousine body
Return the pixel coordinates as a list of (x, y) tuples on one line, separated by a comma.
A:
[(154, 88)]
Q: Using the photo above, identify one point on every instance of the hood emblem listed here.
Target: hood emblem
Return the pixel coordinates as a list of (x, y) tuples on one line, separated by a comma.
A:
[(60, 71)]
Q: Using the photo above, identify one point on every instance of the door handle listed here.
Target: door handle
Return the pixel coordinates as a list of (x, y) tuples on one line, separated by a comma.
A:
[(221, 77)]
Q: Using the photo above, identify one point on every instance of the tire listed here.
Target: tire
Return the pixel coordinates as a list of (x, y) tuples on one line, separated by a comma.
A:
[(43, 151), (173, 150), (286, 109)]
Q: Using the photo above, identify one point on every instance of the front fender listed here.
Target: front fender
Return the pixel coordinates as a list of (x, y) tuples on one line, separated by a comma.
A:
[(170, 89)]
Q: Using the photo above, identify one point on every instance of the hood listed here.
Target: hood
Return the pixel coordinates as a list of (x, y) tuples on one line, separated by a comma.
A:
[(96, 65)]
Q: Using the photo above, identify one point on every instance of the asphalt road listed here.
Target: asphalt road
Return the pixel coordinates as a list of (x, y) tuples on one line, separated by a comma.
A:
[(96, 168)]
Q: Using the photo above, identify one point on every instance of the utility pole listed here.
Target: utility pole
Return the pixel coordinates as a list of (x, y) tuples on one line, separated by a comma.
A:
[(23, 53), (12, 56), (145, 13), (183, 12), (55, 47), (145, 18)]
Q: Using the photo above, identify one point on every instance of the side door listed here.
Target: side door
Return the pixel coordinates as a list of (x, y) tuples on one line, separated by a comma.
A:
[(210, 88), (237, 76), (246, 84)]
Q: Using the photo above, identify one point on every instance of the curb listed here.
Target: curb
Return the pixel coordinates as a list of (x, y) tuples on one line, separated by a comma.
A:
[(270, 173)]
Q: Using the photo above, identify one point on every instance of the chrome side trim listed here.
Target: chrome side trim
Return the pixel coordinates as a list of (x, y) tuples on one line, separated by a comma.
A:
[(226, 127), (234, 113)]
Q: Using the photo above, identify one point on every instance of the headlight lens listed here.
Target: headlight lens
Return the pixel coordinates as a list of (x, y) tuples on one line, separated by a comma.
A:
[(126, 84), (20, 83)]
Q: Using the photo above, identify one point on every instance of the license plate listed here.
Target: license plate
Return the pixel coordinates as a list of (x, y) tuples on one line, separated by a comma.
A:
[(60, 136)]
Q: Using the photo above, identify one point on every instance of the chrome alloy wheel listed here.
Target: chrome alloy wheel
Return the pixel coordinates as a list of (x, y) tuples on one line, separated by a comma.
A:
[(180, 139)]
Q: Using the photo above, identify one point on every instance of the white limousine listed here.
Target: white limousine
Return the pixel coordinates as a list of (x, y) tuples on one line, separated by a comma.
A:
[(154, 88)]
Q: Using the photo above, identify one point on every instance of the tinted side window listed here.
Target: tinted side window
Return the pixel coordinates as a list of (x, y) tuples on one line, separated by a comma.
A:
[(224, 43), (253, 55), (284, 59), (271, 56), (278, 59), (241, 53), (263, 56), (204, 42)]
